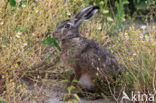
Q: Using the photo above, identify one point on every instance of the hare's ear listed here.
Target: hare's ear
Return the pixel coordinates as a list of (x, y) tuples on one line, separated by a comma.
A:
[(85, 14)]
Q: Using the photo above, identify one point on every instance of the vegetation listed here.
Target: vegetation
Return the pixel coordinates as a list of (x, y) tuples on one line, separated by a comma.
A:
[(28, 51)]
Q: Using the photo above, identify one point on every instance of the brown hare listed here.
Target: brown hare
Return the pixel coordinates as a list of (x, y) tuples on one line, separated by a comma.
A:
[(88, 58)]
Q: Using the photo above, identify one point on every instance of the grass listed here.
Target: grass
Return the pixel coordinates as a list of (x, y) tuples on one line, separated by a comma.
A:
[(22, 54)]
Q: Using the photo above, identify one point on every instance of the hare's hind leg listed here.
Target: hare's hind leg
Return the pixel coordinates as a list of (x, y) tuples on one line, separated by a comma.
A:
[(83, 76), (86, 81), (72, 76)]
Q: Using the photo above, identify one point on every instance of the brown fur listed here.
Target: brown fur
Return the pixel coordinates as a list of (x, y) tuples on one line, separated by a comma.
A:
[(84, 55)]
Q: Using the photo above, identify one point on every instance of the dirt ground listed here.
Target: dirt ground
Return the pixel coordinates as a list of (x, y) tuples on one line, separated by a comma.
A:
[(53, 93)]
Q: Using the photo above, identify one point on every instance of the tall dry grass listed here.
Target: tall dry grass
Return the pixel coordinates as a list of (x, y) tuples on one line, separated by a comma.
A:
[(23, 28)]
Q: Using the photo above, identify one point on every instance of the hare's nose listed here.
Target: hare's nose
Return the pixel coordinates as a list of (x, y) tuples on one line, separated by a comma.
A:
[(54, 32)]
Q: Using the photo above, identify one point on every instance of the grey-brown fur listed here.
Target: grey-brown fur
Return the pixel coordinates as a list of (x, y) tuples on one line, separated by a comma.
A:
[(85, 56)]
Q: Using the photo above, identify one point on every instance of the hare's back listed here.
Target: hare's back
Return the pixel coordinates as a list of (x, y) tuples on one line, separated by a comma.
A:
[(95, 57)]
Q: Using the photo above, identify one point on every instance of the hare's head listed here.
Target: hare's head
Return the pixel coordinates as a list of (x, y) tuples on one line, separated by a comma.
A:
[(69, 28)]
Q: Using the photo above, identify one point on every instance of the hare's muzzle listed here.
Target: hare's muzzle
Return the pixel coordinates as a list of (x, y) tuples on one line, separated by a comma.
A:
[(54, 34)]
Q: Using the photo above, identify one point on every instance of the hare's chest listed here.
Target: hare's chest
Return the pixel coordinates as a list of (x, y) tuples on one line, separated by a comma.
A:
[(71, 51), (69, 56)]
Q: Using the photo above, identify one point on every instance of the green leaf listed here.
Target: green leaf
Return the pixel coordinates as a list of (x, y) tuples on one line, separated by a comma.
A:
[(77, 97), (75, 81), (20, 29), (13, 11), (72, 60), (141, 5), (138, 1), (149, 2), (48, 41), (74, 101), (57, 45), (65, 96), (2, 102), (65, 81), (125, 2), (29, 41), (4, 43), (116, 4), (72, 50), (21, 3), (12, 2), (69, 101), (70, 89)]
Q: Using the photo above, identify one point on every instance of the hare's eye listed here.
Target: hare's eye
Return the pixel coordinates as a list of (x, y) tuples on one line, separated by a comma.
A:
[(67, 26)]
